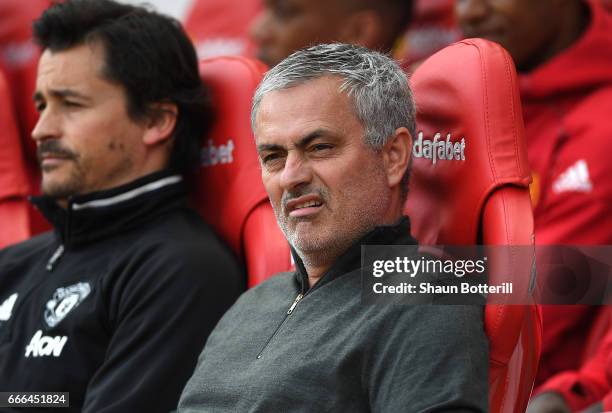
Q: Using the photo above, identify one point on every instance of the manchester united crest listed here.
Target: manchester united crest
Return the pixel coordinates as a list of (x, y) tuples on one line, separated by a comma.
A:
[(65, 299)]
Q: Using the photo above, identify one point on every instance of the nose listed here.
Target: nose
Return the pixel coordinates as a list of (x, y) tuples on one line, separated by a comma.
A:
[(47, 127), (296, 172), (470, 11)]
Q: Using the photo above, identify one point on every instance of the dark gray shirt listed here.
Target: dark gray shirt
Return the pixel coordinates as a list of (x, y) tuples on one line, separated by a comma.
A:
[(332, 353)]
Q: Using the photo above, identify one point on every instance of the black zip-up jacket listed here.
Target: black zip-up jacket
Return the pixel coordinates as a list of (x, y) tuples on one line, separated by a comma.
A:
[(284, 347), (115, 305)]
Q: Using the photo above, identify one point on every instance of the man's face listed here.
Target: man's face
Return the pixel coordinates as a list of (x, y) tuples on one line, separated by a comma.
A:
[(326, 186), (285, 26), (526, 28), (86, 141)]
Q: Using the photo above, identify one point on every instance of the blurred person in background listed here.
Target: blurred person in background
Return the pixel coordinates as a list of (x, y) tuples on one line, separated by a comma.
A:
[(563, 52), (114, 305), (219, 27), (285, 26)]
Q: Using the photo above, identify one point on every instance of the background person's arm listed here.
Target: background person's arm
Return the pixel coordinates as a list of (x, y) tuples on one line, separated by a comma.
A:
[(578, 389)]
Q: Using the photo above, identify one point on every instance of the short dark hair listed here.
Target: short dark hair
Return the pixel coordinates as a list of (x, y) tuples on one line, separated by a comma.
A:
[(397, 15), (148, 53)]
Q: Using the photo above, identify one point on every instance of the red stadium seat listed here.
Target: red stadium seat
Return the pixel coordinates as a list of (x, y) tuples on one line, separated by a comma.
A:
[(20, 57), (230, 194), (18, 52), (469, 90), (14, 186)]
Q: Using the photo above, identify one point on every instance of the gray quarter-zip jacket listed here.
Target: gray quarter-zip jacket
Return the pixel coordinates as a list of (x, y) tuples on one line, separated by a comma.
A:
[(286, 348)]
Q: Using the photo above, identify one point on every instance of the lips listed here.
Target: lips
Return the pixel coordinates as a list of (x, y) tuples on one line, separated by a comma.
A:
[(52, 150), (53, 156), (304, 206), (48, 160), (308, 204)]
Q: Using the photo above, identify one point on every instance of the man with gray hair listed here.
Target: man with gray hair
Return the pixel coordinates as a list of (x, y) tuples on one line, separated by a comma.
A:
[(333, 127)]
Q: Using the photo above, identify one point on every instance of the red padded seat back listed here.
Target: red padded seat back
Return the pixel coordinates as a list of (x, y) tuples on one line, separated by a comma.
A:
[(467, 90), (473, 189), (20, 54), (230, 183), (14, 183), (230, 194)]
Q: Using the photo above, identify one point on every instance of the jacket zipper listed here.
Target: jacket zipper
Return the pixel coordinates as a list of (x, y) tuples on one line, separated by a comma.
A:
[(59, 252), (289, 312), (297, 300), (55, 257)]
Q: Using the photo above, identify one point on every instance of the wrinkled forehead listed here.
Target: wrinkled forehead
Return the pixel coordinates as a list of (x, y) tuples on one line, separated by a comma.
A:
[(290, 113), (76, 67)]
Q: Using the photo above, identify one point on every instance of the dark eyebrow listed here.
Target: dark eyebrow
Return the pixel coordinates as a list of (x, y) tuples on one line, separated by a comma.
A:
[(268, 147), (60, 93), (306, 140), (302, 143)]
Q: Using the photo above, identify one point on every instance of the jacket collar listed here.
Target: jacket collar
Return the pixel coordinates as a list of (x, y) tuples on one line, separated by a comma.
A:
[(96, 215), (398, 234)]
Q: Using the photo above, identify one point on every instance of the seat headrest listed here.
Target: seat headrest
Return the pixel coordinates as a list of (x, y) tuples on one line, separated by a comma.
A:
[(13, 170), (229, 185), (470, 140)]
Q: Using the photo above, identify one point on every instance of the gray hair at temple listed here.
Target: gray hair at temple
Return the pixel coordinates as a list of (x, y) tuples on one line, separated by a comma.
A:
[(376, 84)]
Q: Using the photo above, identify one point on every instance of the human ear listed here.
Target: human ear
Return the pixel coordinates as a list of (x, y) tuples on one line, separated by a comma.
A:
[(160, 124), (396, 155)]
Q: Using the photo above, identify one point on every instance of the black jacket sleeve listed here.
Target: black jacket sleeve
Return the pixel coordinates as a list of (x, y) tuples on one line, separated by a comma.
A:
[(162, 307)]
